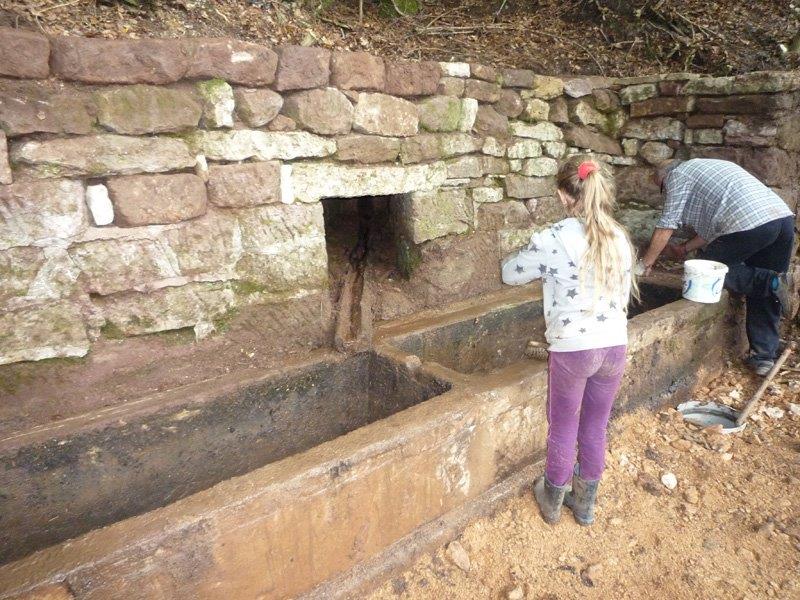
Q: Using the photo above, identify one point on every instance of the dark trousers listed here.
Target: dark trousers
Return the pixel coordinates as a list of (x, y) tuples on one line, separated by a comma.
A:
[(754, 257)]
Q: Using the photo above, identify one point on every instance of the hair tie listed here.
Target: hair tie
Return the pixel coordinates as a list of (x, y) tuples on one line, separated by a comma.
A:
[(585, 169)]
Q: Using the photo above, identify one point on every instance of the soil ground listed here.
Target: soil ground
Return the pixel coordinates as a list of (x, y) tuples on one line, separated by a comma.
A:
[(600, 37), (731, 527)]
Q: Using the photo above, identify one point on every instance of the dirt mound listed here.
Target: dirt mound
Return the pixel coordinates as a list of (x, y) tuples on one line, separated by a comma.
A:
[(608, 37)]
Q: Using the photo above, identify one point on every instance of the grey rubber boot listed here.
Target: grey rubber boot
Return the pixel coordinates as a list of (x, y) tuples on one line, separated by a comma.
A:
[(582, 498), (549, 497)]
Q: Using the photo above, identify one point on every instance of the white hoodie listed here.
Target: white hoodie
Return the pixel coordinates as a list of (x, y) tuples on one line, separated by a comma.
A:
[(576, 319)]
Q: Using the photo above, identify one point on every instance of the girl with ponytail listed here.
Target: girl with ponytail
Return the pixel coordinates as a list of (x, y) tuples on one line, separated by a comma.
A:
[(586, 264)]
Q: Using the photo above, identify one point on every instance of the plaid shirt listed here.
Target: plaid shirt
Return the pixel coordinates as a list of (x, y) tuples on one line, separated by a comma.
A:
[(717, 197)]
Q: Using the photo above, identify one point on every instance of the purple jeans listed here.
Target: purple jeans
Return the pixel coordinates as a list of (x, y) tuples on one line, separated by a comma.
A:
[(582, 386)]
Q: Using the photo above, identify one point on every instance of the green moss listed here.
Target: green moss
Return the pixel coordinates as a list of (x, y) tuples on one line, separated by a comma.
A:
[(247, 287), (111, 331), (408, 257), (222, 322)]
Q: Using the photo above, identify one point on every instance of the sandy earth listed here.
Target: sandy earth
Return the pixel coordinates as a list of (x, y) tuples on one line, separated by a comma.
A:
[(731, 527)]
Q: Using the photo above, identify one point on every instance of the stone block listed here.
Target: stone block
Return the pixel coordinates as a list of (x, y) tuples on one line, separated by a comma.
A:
[(242, 144), (40, 331), (520, 186), (257, 107), (708, 86), (5, 167), (41, 212), (540, 167), (635, 184), (157, 199), (440, 113), (24, 54), (750, 132), (28, 107), (760, 82), (455, 69), (301, 68), (705, 136), (465, 167), (485, 73), (381, 114), (494, 166), (584, 113), (665, 105), (638, 93), (469, 114), (502, 215), (788, 136), (102, 155), (522, 148), (487, 194), (583, 137), (218, 103), (326, 111), (546, 88), (655, 152), (494, 147), (483, 91), (659, 128), (430, 215), (578, 87), (96, 60), (367, 148), (451, 86), (519, 78), (247, 184), (544, 132), (773, 166), (752, 104), (135, 313), (405, 78), (630, 146), (559, 111), (705, 121), (108, 266), (358, 71), (235, 61), (99, 204), (509, 103), (554, 149), (489, 122), (140, 109), (536, 110), (605, 100), (313, 181)]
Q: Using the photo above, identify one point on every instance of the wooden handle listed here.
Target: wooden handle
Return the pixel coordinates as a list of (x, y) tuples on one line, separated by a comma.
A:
[(775, 368)]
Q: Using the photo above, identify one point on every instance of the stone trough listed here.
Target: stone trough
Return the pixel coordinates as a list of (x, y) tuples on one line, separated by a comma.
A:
[(270, 486)]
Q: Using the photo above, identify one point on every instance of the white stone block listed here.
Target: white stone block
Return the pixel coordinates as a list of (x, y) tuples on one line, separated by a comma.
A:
[(99, 204)]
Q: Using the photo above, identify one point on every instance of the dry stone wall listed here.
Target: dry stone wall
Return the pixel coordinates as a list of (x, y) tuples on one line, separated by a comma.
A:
[(151, 185)]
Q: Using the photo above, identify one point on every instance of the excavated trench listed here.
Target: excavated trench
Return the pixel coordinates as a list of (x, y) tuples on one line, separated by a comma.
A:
[(451, 388)]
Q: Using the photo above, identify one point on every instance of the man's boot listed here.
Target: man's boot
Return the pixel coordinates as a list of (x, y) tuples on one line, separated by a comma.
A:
[(549, 497), (582, 498)]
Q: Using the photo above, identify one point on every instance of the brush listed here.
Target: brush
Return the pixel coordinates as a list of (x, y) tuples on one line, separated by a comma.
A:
[(536, 351)]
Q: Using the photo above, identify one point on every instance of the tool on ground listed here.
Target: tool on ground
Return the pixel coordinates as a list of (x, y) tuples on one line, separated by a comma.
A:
[(536, 351), (707, 414)]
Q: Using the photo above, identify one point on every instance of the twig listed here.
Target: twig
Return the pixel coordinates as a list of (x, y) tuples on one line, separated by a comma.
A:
[(334, 22), (499, 10), (360, 11), (37, 13)]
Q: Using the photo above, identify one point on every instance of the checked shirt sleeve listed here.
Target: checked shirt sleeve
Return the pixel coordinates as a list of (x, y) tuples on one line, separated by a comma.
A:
[(678, 193), (527, 263)]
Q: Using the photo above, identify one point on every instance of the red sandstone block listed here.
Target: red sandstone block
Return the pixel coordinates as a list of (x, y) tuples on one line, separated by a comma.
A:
[(358, 71), (248, 184), (24, 54), (668, 105), (119, 61), (232, 60), (301, 68), (404, 78), (157, 199)]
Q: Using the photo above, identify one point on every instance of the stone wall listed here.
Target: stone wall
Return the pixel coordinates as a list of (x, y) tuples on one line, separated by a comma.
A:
[(152, 185)]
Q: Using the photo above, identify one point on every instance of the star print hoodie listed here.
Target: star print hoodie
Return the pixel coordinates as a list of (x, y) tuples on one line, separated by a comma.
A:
[(577, 318)]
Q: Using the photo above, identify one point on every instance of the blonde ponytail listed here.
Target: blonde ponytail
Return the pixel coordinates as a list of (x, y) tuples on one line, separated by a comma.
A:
[(590, 184)]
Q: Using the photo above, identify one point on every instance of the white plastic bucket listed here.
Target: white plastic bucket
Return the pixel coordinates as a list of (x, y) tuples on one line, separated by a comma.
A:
[(703, 280)]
